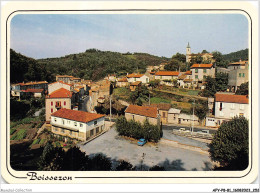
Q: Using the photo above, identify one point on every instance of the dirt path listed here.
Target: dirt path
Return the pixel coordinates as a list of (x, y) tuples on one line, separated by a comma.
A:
[(189, 96)]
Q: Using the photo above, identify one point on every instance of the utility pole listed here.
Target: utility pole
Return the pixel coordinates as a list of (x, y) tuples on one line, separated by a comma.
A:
[(110, 108), (193, 117)]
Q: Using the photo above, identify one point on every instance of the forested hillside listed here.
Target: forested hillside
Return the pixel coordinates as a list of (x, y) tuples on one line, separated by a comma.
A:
[(236, 56), (95, 64), (26, 69)]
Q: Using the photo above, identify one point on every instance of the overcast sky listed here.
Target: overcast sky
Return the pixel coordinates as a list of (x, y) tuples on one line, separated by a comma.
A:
[(50, 35)]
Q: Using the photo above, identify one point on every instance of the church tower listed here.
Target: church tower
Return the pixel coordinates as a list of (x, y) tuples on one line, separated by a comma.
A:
[(188, 52)]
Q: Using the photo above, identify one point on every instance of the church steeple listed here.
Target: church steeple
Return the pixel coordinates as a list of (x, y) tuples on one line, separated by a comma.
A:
[(188, 52), (188, 46)]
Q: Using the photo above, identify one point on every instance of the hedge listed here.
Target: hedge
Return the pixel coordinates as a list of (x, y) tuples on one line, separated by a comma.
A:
[(137, 130)]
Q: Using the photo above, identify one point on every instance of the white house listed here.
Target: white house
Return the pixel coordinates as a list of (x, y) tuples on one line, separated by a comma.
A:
[(57, 85), (77, 124), (137, 77), (201, 71), (228, 106), (167, 75)]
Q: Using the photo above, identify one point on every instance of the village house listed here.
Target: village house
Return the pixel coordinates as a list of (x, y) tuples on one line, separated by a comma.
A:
[(228, 106), (137, 77), (142, 113), (77, 124), (111, 77), (173, 115), (238, 74), (201, 71), (99, 89), (29, 89), (176, 117), (122, 82), (163, 109), (135, 85), (57, 85), (167, 75), (185, 80), (61, 98), (67, 79)]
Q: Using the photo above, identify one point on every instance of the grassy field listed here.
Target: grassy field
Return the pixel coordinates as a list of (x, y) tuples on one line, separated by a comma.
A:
[(159, 100)]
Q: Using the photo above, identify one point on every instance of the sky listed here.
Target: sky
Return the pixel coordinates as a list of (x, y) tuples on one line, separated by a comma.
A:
[(55, 35)]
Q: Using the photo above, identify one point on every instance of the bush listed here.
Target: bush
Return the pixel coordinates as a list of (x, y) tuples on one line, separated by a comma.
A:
[(36, 141), (137, 130), (12, 131)]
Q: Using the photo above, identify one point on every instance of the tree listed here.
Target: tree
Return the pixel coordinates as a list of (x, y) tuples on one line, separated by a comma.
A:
[(124, 166), (219, 59), (243, 89), (173, 65), (230, 145), (221, 81), (179, 57), (154, 83), (204, 51)]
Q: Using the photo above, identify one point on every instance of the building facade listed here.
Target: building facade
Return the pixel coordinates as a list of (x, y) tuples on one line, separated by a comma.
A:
[(77, 124), (163, 109), (61, 98), (142, 113), (137, 77), (201, 71)]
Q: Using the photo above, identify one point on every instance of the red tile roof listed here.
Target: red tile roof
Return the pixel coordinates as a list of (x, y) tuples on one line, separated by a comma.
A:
[(229, 98), (182, 77), (188, 73), (238, 63), (162, 106), (134, 75), (167, 73), (122, 80), (60, 93), (201, 66), (142, 110), (34, 90), (74, 115)]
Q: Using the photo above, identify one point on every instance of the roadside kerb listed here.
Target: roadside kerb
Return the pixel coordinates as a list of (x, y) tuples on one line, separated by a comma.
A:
[(183, 146)]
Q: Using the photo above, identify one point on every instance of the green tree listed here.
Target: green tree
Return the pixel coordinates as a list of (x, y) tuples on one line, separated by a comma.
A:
[(230, 145), (204, 51), (179, 57), (219, 59), (124, 166), (242, 89), (154, 83), (173, 65)]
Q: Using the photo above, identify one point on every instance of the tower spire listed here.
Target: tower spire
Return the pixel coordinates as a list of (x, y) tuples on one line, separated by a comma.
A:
[(188, 46)]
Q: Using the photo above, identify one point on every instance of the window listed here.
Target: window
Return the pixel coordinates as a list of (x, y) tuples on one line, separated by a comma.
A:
[(147, 80), (204, 70), (51, 103), (239, 74), (163, 114), (68, 122), (243, 74), (97, 129), (196, 70), (64, 103), (135, 79), (241, 106), (133, 117), (91, 132), (196, 76), (95, 122), (55, 120), (81, 125), (63, 122), (51, 110), (75, 123)]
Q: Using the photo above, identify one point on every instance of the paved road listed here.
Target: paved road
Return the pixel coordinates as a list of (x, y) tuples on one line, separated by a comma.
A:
[(172, 158)]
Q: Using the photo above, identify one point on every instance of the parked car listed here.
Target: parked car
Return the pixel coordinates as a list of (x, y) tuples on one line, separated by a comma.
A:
[(141, 142)]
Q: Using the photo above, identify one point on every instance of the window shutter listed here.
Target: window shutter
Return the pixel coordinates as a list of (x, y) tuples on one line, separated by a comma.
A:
[(51, 103)]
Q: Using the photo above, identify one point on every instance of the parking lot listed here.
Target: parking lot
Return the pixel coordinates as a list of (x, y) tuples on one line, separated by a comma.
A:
[(173, 159)]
